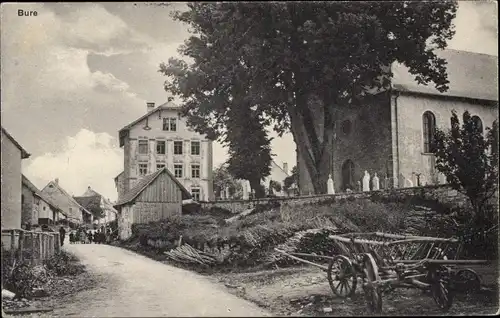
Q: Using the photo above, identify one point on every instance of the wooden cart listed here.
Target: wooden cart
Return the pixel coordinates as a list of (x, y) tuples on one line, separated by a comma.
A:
[(383, 262)]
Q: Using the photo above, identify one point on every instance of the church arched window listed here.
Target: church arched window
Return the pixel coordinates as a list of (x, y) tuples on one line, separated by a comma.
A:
[(429, 127)]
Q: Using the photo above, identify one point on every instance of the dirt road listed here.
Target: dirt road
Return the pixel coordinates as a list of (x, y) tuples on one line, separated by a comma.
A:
[(132, 285)]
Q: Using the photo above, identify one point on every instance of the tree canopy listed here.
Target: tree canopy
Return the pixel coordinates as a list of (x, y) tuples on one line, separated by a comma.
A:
[(296, 63)]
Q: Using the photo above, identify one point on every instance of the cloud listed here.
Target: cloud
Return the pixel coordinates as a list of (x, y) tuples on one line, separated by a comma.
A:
[(476, 27), (87, 159), (47, 83)]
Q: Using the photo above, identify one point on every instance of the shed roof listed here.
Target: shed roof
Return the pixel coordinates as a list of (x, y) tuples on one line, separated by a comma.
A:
[(145, 182), (470, 75), (24, 153)]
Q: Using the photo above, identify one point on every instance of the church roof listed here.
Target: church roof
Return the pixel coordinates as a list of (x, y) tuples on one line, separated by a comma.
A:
[(471, 75)]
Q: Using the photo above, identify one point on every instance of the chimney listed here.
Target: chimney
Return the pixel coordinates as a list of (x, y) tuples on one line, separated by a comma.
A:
[(285, 167), (170, 99), (56, 180), (150, 106), (88, 187)]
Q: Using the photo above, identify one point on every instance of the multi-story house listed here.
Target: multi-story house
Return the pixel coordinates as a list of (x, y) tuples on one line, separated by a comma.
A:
[(161, 138)]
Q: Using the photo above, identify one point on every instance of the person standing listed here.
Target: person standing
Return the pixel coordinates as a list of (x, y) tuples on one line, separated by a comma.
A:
[(89, 236), (62, 234)]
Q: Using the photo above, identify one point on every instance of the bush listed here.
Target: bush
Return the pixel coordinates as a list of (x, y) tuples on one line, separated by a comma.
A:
[(64, 264), (20, 277)]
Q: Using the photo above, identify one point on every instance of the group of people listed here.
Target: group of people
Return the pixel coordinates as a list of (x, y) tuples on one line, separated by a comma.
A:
[(87, 237)]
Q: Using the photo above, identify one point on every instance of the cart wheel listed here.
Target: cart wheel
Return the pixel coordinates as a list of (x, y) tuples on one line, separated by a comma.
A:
[(373, 296), (342, 277), (440, 291), (467, 280)]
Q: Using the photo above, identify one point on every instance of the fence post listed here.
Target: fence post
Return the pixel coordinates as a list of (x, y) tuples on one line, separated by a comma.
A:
[(21, 245), (32, 236), (41, 246), (57, 243), (13, 245)]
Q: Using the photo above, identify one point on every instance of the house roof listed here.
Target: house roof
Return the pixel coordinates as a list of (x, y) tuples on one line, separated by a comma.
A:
[(145, 182), (95, 197), (24, 153), (471, 75), (66, 194), (165, 106), (279, 167), (119, 175), (26, 182), (91, 203)]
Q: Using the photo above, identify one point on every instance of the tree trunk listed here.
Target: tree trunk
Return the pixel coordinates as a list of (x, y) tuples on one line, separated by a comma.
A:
[(257, 187), (315, 154)]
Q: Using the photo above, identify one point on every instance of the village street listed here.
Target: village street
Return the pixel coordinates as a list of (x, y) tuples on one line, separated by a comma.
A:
[(132, 285)]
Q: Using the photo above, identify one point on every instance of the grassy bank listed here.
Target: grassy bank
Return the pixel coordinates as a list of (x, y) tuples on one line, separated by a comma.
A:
[(249, 242)]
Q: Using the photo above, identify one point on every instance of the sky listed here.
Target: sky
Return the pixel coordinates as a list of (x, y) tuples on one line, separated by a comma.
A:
[(76, 73)]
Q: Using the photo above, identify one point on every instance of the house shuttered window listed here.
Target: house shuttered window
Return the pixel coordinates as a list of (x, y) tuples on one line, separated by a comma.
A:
[(178, 147), (160, 147), (196, 193), (143, 169), (143, 147), (195, 148), (178, 168), (195, 171)]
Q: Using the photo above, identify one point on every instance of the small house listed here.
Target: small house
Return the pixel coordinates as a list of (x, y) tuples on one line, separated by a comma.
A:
[(77, 214), (101, 208), (37, 209), (157, 196)]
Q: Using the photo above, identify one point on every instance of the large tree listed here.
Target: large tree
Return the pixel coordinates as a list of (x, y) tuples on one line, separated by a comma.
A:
[(299, 62)]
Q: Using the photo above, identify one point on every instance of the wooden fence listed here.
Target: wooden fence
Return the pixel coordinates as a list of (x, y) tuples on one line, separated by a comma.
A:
[(36, 245)]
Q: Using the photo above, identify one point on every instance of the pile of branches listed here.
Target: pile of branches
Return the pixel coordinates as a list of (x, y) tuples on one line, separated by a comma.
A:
[(312, 241), (187, 254)]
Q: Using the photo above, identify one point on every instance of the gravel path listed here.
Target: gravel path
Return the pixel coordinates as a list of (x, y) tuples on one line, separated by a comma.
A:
[(132, 285)]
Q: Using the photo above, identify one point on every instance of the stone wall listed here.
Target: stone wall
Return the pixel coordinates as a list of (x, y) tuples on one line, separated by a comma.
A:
[(441, 193)]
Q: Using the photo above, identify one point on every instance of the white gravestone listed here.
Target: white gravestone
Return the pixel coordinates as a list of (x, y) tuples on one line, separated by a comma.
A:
[(375, 183), (227, 193), (422, 181), (366, 181), (245, 190), (408, 183), (330, 187)]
